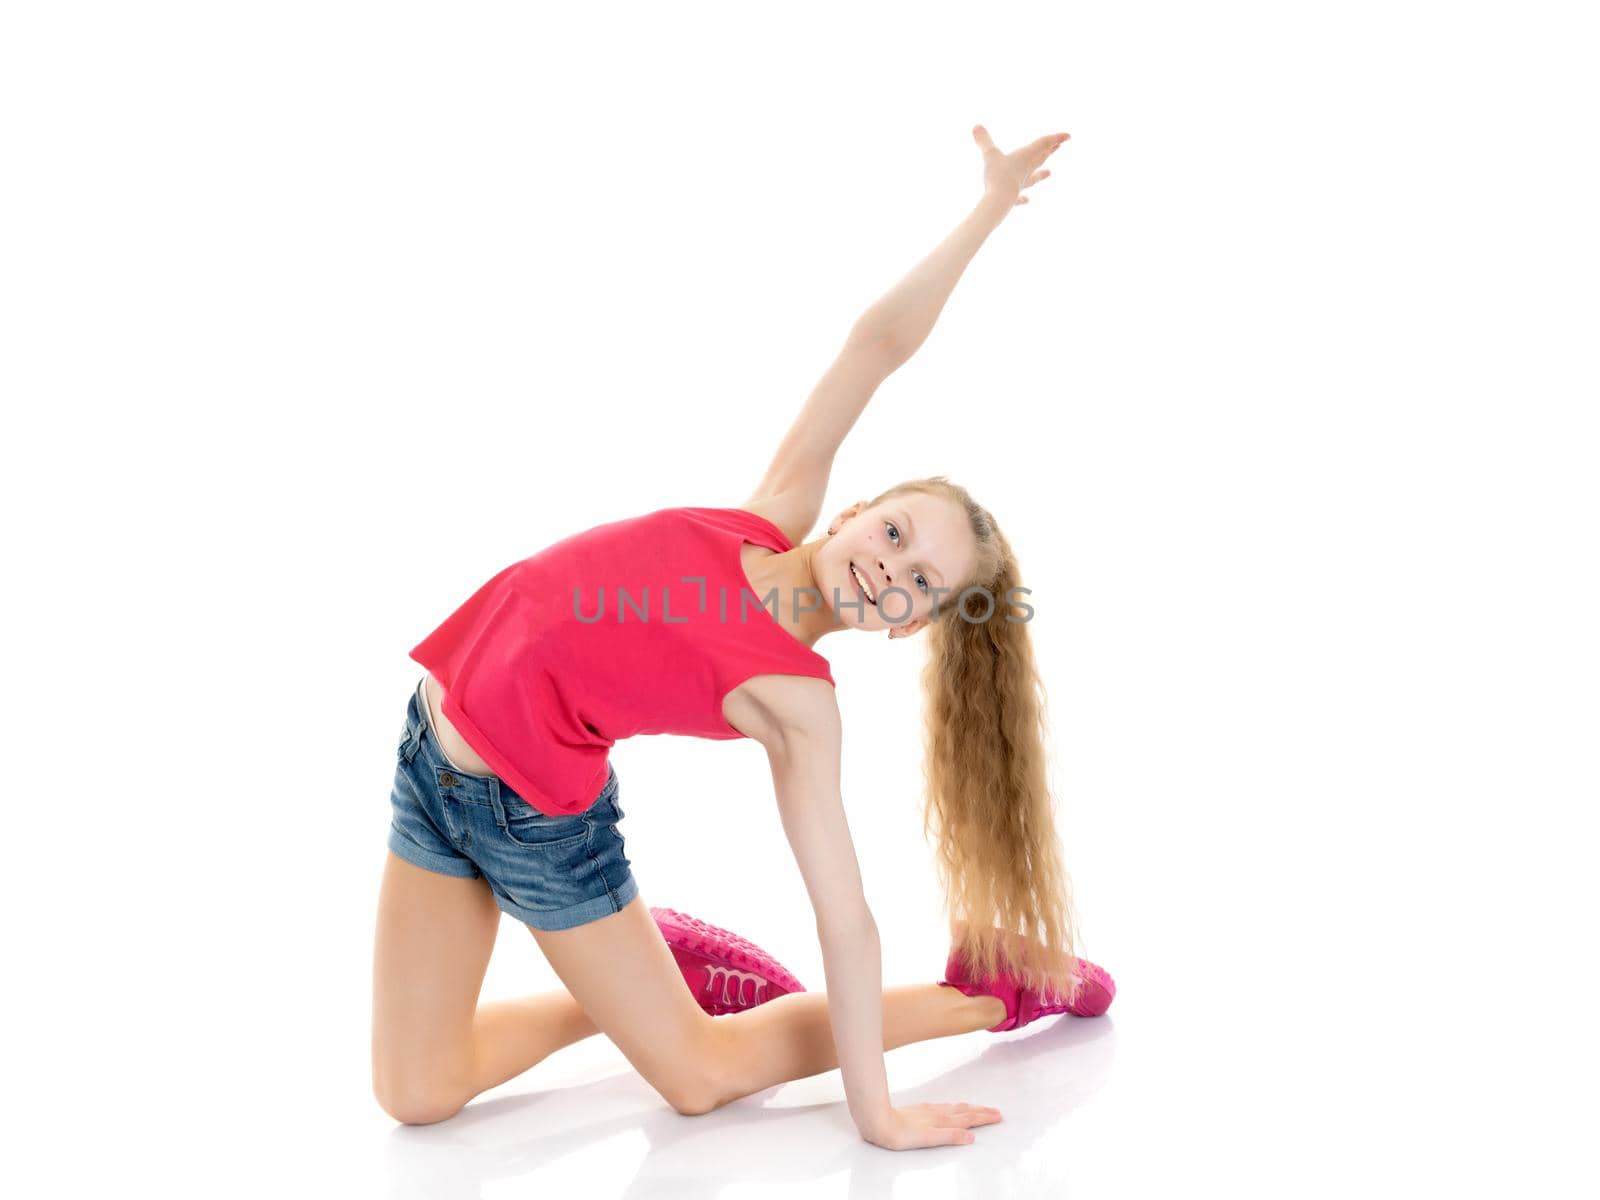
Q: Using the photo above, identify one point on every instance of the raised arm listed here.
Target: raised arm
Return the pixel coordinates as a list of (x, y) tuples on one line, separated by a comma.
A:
[(889, 332)]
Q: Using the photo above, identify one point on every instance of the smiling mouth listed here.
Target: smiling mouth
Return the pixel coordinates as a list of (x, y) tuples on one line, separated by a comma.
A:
[(861, 582)]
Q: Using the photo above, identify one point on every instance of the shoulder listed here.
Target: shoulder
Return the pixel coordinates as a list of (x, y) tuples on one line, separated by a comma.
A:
[(775, 710), (791, 511)]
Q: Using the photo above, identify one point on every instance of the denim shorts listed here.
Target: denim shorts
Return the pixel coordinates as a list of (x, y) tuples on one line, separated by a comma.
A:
[(548, 872)]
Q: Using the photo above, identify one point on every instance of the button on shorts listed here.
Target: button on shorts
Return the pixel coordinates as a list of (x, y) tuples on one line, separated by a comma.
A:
[(549, 872)]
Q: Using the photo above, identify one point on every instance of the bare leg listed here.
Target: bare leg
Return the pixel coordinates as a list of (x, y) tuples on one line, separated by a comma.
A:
[(435, 1047), (790, 1037), (509, 1036)]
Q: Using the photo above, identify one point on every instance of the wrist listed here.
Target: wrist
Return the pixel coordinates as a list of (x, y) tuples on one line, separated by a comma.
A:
[(874, 1123), (996, 204)]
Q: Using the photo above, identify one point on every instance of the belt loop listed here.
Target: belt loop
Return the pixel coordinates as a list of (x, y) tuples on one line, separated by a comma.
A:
[(497, 804), (415, 740)]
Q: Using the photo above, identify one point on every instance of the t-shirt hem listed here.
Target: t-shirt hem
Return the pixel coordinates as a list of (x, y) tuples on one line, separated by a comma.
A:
[(503, 767)]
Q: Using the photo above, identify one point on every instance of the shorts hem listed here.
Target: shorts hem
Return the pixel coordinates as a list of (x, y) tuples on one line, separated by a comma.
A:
[(552, 920), (417, 856)]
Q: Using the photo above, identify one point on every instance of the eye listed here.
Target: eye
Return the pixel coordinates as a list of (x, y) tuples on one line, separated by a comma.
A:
[(922, 581)]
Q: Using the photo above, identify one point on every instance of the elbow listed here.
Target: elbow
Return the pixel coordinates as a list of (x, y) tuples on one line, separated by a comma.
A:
[(889, 347), (851, 922)]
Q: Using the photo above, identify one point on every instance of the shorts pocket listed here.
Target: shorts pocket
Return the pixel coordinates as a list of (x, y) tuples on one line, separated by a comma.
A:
[(527, 826)]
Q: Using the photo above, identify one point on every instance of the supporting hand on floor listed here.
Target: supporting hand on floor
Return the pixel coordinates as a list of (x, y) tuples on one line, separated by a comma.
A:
[(916, 1126)]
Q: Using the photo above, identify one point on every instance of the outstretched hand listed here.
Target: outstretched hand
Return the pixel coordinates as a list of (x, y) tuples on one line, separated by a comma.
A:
[(1007, 174)]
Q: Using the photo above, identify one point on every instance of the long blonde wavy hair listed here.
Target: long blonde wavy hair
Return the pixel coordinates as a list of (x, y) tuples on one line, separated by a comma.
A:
[(988, 806)]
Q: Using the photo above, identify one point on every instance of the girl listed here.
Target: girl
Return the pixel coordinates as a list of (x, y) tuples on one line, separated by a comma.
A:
[(505, 801)]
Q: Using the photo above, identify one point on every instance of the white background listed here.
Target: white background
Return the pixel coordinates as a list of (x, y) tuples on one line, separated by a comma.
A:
[(317, 315)]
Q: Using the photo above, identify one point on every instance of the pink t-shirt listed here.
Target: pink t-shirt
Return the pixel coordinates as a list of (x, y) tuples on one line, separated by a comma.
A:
[(636, 626)]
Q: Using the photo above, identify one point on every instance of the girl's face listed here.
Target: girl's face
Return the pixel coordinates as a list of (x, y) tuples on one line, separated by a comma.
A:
[(884, 567)]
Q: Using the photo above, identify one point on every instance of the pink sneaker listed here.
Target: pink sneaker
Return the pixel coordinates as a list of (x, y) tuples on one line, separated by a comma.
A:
[(1024, 1005), (725, 972)]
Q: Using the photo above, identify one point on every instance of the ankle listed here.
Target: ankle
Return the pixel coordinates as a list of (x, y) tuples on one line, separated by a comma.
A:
[(985, 1011)]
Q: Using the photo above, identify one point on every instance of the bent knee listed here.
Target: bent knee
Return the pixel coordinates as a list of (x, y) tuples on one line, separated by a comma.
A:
[(704, 1086), (694, 1101), (418, 1105)]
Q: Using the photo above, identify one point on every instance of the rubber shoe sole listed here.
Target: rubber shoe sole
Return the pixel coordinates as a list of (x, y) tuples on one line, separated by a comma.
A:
[(725, 972), (1097, 992)]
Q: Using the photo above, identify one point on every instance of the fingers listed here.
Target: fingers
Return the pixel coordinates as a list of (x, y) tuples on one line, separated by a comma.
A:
[(958, 1128), (952, 1124), (1042, 147), (977, 1117), (968, 1114)]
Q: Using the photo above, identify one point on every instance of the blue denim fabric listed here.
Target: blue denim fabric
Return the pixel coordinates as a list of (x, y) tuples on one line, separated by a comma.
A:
[(549, 872)]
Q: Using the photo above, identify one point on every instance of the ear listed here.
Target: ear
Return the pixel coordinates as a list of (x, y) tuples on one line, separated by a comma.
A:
[(908, 629), (853, 510)]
